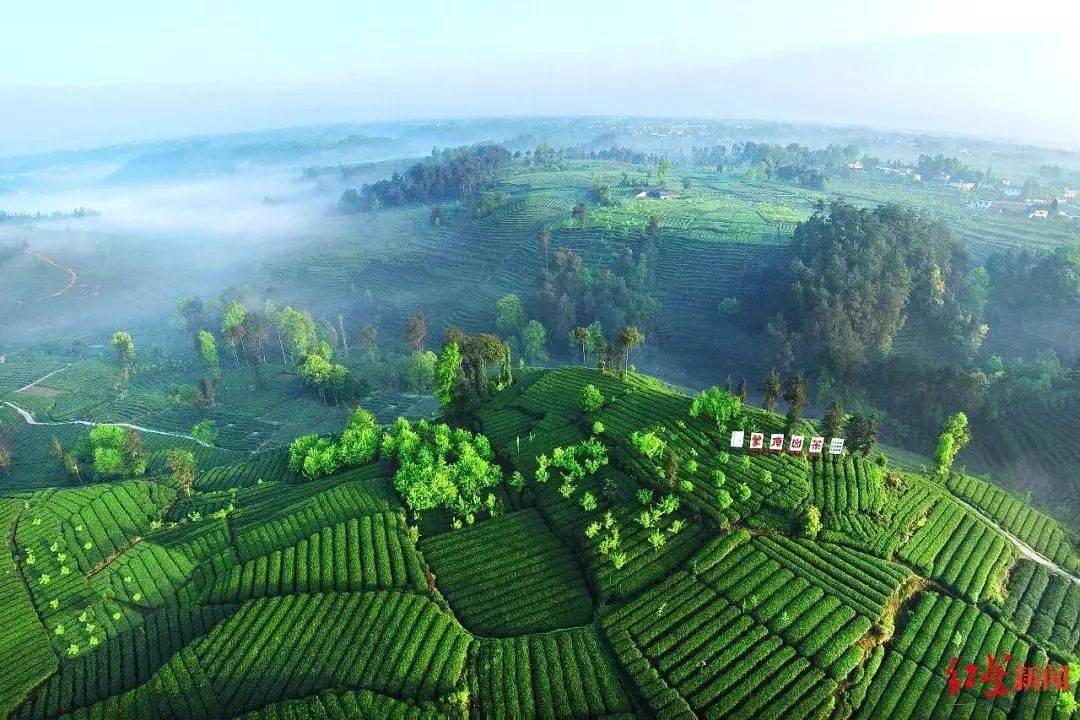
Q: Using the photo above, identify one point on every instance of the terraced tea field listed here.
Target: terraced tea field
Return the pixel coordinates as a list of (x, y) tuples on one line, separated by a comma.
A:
[(264, 595)]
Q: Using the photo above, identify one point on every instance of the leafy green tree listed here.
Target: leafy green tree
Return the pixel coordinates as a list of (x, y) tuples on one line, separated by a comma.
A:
[(181, 464), (208, 349), (534, 343), (368, 337), (108, 462), (190, 315), (326, 378), (416, 329), (740, 392), (421, 371), (580, 336), (442, 468), (510, 315), (648, 443), (864, 432), (205, 431), (629, 338), (314, 456), (296, 333), (663, 169), (124, 347), (232, 326), (446, 370), (719, 406), (772, 389), (360, 439), (810, 522), (113, 451), (954, 437), (591, 398)]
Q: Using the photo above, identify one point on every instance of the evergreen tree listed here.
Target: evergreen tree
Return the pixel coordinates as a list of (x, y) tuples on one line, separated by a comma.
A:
[(772, 390)]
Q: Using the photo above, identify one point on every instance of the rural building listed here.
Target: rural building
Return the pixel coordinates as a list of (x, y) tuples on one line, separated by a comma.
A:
[(1039, 214), (963, 185), (657, 193), (855, 165), (1012, 192), (978, 204)]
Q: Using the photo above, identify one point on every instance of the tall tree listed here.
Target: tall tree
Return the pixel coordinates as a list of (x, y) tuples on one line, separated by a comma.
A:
[(543, 242), (581, 336), (124, 347), (232, 326), (368, 337), (772, 389), (509, 315), (416, 328), (182, 466), (534, 343), (580, 213), (629, 337), (740, 392), (446, 370), (208, 349), (833, 422), (796, 398), (864, 432), (954, 437), (343, 335)]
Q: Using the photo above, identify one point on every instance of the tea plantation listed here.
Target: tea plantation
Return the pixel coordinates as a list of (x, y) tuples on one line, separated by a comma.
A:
[(630, 564)]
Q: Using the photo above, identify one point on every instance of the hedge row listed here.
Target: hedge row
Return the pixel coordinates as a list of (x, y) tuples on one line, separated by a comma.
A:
[(510, 575), (371, 553), (562, 674)]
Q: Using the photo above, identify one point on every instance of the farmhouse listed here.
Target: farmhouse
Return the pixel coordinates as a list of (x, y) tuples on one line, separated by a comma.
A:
[(657, 193), (1039, 213), (977, 204), (855, 165), (1012, 191)]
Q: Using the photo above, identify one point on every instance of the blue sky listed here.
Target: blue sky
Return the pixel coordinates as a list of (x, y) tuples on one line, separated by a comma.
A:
[(76, 73)]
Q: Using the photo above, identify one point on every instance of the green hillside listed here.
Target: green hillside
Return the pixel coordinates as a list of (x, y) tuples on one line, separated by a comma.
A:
[(639, 567)]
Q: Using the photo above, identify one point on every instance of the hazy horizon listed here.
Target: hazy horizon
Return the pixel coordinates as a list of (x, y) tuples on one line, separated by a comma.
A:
[(92, 79)]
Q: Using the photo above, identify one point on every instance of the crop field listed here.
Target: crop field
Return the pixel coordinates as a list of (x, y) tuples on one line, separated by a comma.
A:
[(1043, 604), (532, 584), (909, 682), (562, 674), (1042, 533), (958, 548), (267, 595)]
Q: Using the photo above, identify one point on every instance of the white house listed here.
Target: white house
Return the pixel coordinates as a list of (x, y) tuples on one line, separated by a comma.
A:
[(1039, 214), (977, 204), (1012, 192)]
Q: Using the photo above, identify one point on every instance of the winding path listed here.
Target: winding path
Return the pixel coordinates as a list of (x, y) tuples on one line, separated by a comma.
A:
[(73, 277)]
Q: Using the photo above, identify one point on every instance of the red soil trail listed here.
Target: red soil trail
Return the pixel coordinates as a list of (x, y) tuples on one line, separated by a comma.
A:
[(73, 277)]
